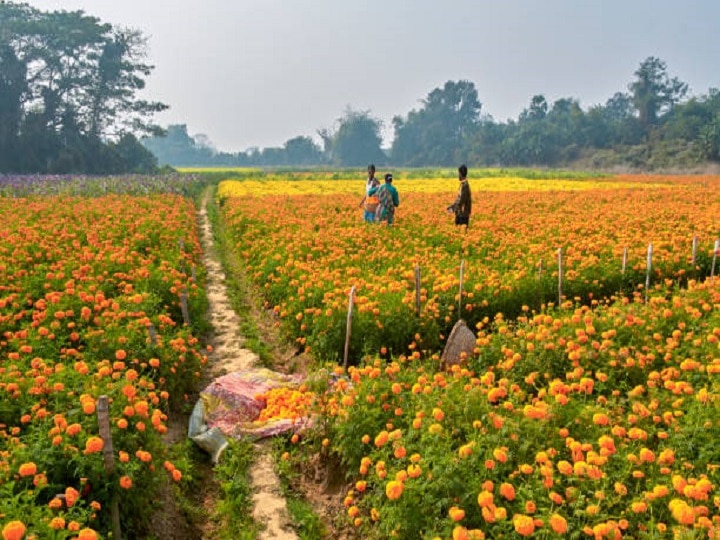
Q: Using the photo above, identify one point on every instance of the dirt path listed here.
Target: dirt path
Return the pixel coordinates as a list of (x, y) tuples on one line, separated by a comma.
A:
[(269, 506)]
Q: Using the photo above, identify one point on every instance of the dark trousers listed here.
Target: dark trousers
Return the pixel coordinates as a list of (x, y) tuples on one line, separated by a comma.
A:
[(462, 220)]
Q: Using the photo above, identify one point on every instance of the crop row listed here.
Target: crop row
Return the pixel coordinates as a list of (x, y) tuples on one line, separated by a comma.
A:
[(90, 305), (307, 251)]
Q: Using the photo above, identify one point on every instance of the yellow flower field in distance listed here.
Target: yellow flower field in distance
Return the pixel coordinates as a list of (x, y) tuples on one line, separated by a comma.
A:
[(277, 185)]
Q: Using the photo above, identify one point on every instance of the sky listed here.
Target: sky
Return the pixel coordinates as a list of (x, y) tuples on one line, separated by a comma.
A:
[(256, 73)]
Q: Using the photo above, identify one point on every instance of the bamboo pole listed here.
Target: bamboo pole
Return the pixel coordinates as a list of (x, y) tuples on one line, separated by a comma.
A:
[(348, 328), (103, 414)]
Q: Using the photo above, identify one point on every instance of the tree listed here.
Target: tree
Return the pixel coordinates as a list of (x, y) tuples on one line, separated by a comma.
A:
[(69, 88), (13, 87), (537, 110), (302, 151), (357, 140), (654, 92), (434, 134)]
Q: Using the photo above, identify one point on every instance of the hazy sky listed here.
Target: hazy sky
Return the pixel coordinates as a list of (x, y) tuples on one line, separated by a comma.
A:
[(255, 73)]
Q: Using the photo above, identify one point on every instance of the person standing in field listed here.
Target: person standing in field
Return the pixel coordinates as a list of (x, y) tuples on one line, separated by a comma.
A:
[(370, 202), (462, 207), (389, 200)]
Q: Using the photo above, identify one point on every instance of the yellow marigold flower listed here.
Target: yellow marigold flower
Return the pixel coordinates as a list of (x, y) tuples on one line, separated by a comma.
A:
[(681, 511), (456, 514), (413, 470), (524, 525), (460, 533), (394, 489), (564, 467), (526, 469), (484, 498)]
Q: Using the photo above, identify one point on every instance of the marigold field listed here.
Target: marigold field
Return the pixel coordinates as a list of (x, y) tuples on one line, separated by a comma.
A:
[(89, 307), (588, 409), (593, 415)]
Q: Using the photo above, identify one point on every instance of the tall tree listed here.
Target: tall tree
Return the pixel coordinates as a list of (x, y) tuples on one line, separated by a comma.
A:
[(13, 87), (434, 134), (654, 92), (357, 141), (73, 82)]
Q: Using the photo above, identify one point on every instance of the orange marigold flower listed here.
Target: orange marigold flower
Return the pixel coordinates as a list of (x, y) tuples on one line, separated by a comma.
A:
[(126, 482), (73, 429), (27, 469), (381, 439), (87, 534), (558, 524), (57, 523), (71, 495), (94, 444), (507, 491), (14, 530)]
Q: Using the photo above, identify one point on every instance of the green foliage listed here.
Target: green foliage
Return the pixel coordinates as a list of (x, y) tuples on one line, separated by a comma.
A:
[(234, 510)]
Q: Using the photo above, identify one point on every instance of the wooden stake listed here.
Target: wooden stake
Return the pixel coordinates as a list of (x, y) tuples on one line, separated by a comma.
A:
[(715, 254), (462, 270), (694, 250), (103, 414), (417, 290), (153, 334), (348, 328), (560, 276), (184, 307), (649, 270), (624, 260)]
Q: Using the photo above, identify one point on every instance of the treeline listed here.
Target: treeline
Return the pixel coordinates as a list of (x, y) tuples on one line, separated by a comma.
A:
[(653, 124), (68, 102)]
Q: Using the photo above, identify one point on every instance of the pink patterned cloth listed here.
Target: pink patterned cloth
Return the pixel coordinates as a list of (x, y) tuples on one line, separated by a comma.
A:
[(229, 403)]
